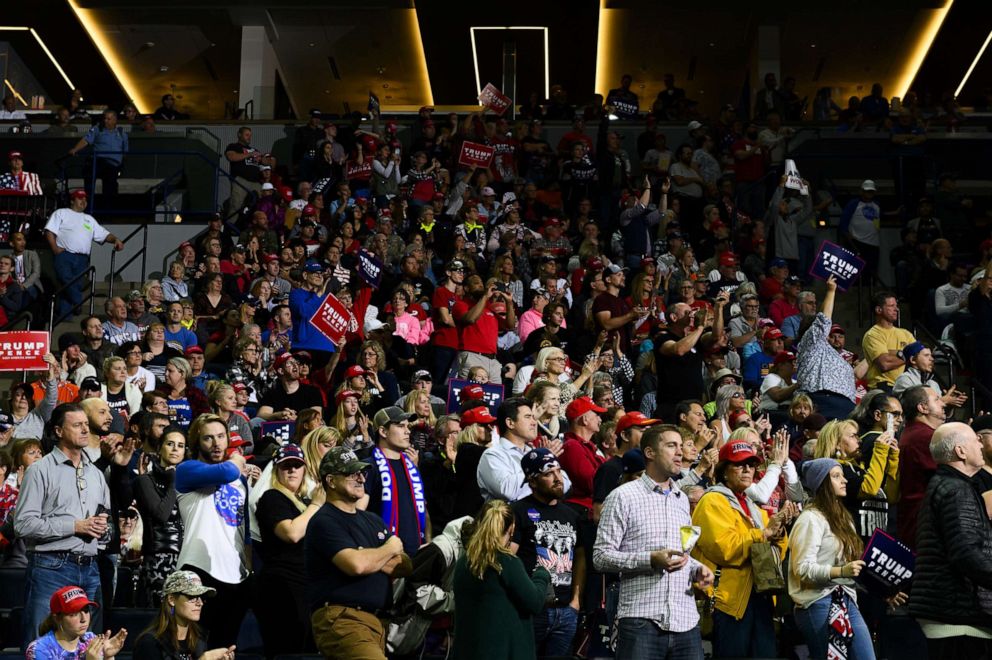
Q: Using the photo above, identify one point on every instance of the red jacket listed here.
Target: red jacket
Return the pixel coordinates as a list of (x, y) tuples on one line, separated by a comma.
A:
[(580, 460), (916, 466)]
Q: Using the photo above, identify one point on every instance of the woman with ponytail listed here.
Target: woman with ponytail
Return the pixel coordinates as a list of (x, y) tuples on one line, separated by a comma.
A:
[(825, 552), (496, 598)]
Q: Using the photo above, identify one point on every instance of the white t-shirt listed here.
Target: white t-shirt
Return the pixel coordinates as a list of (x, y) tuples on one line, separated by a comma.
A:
[(214, 539), (770, 381), (75, 231), (864, 223)]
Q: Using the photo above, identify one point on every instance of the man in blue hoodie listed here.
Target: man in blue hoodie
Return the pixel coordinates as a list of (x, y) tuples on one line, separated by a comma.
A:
[(303, 303), (213, 493)]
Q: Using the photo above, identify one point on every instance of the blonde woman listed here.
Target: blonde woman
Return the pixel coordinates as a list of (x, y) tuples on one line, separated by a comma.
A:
[(349, 419), (545, 398), (120, 394), (154, 295), (372, 358), (224, 404), (494, 591), (283, 513), (174, 287), (777, 479), (871, 483), (422, 430), (315, 444), (550, 364)]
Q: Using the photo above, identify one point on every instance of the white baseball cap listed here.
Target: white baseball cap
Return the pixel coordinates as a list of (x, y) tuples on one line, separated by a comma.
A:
[(868, 184)]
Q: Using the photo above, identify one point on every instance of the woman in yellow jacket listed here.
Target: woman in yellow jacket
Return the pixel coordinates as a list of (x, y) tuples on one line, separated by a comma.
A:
[(730, 523)]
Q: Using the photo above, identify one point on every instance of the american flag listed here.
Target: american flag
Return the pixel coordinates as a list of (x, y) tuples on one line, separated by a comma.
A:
[(25, 182), (839, 630)]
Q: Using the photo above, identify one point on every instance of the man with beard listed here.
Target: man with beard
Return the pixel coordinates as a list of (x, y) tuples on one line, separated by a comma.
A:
[(640, 537), (546, 532), (213, 495), (349, 557), (480, 326), (177, 335), (288, 396)]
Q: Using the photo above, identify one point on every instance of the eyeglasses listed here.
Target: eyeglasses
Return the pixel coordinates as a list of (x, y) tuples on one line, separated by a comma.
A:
[(744, 466), (357, 477), (188, 597), (560, 358), (134, 352), (80, 477), (894, 413), (737, 395)]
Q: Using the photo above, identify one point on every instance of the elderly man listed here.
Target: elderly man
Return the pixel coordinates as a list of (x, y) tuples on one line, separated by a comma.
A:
[(953, 566), (19, 180), (806, 303), (117, 329)]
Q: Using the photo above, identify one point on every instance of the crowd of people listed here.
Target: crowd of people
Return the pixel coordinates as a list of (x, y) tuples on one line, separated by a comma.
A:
[(568, 409)]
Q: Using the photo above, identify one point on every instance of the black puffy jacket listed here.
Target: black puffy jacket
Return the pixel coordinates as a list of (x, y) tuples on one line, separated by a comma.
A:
[(157, 501), (953, 539)]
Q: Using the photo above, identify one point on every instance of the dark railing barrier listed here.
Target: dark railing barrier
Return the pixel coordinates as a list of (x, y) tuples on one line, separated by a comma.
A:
[(114, 271), (91, 297), (23, 213), (23, 317)]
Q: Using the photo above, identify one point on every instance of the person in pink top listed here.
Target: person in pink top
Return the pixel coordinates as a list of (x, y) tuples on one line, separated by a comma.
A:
[(533, 318), (407, 326)]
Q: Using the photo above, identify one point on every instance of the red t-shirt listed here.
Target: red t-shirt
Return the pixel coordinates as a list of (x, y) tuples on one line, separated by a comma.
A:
[(479, 336), (444, 335), (780, 310), (770, 287), (749, 169), (616, 306)]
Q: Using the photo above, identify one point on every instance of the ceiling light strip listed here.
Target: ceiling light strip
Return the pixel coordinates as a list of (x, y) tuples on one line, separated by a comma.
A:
[(974, 63)]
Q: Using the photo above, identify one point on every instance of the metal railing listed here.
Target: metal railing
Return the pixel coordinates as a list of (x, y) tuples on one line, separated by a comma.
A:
[(91, 298), (12, 324), (143, 253)]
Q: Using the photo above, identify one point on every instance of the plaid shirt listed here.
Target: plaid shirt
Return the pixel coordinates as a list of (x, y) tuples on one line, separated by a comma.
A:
[(639, 518)]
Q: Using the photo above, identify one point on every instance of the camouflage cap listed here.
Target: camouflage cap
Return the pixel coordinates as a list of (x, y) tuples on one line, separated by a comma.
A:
[(187, 583), (341, 460)]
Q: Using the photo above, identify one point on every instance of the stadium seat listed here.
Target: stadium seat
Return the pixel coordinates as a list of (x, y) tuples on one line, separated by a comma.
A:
[(12, 594), (135, 619)]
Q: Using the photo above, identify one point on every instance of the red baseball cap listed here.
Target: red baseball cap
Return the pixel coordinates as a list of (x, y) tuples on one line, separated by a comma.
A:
[(281, 360), (269, 258), (193, 350), (471, 393), (580, 407), (344, 394), (717, 224), (737, 452), (14, 154), (728, 259), (784, 356), (69, 600), (647, 261), (286, 192), (354, 370), (77, 194), (480, 415), (309, 210), (772, 333), (736, 416), (635, 419), (594, 263), (836, 329)]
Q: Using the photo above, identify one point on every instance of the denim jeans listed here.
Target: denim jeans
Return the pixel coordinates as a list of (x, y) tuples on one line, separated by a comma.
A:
[(753, 636), (46, 574), (812, 621), (67, 266), (641, 638), (554, 631)]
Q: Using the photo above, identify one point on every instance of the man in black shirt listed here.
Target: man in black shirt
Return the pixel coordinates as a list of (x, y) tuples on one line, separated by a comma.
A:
[(546, 532), (349, 557), (244, 162), (394, 486), (288, 396), (678, 358)]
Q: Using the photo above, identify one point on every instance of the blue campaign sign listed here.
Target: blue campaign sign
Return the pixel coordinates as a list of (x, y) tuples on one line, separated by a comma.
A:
[(888, 565), (369, 268), (282, 431), (493, 394), (840, 262)]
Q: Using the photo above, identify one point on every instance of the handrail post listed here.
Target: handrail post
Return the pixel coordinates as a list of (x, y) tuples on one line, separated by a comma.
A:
[(93, 288), (144, 253), (113, 272)]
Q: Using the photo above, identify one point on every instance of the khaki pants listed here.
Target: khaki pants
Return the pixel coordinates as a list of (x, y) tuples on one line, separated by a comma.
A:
[(468, 359), (344, 632)]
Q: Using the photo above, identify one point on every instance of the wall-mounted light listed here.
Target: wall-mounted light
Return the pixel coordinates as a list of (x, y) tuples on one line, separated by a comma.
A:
[(41, 43), (928, 27)]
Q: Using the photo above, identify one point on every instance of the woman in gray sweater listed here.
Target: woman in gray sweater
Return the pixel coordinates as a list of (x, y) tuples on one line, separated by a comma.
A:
[(30, 419)]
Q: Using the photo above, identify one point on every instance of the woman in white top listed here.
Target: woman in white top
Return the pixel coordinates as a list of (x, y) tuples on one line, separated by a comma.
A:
[(824, 556)]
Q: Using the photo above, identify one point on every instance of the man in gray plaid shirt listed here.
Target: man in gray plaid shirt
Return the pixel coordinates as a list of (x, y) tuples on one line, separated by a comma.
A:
[(640, 538)]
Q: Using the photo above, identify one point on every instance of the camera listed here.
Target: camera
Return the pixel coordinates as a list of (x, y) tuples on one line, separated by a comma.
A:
[(502, 287)]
